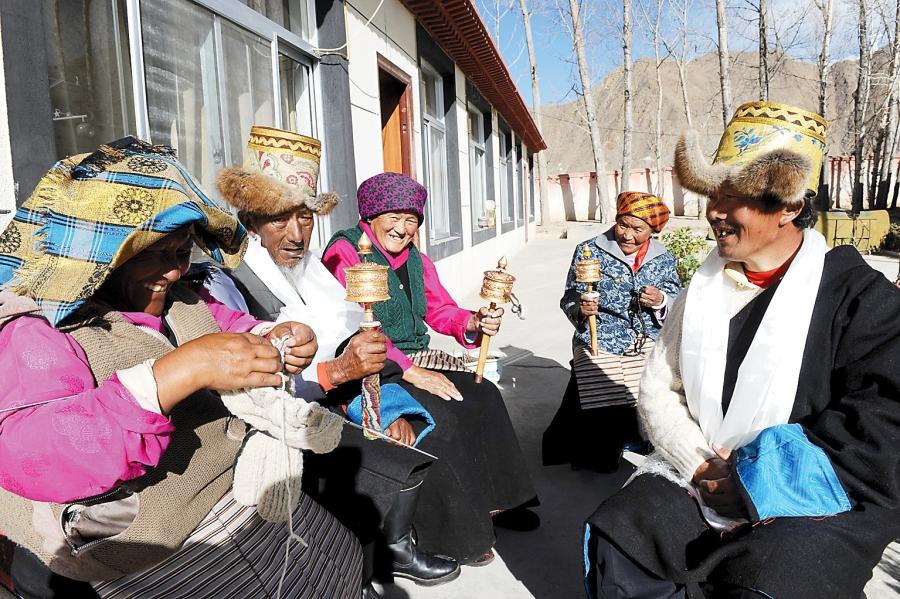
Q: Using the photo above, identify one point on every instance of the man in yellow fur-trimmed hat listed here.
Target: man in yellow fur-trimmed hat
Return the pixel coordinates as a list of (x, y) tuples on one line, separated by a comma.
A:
[(769, 398)]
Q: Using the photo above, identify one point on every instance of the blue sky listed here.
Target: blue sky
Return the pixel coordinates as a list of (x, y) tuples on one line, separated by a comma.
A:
[(797, 21)]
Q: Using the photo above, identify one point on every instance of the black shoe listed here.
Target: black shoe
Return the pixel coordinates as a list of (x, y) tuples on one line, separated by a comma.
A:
[(369, 592), (519, 519), (423, 568)]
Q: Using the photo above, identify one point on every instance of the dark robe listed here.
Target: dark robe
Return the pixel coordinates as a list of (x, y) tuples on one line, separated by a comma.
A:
[(848, 402), (480, 466)]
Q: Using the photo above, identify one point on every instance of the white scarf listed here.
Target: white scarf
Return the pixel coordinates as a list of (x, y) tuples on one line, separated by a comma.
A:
[(768, 376), (314, 298)]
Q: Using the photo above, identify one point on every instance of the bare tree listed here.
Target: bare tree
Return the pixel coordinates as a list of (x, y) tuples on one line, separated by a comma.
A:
[(724, 66), (653, 28), (888, 123), (536, 108), (826, 7), (681, 10), (763, 53), (628, 68), (860, 105), (607, 211)]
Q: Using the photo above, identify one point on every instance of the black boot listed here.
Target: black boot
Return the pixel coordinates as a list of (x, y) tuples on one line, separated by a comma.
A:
[(407, 560)]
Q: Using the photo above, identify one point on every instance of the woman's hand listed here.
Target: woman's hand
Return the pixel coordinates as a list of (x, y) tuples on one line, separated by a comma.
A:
[(402, 431), (220, 361), (715, 481), (302, 345), (485, 321), (651, 296), (590, 304), (433, 382)]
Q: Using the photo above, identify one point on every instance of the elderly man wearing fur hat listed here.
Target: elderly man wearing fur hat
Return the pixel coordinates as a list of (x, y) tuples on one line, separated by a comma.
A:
[(281, 279), (770, 397)]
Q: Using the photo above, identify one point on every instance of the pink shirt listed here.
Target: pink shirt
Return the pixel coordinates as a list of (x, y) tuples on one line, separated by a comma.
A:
[(93, 440), (442, 313)]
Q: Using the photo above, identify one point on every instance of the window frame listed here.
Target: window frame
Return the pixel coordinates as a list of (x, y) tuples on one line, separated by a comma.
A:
[(429, 76)]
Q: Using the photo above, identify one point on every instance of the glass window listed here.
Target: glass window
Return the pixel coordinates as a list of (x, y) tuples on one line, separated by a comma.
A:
[(287, 13), (248, 92), (478, 172), (435, 140), (182, 84), (506, 188), (89, 73), (296, 100), (209, 81)]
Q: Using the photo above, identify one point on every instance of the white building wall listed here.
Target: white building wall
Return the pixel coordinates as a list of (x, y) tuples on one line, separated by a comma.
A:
[(7, 183), (392, 34)]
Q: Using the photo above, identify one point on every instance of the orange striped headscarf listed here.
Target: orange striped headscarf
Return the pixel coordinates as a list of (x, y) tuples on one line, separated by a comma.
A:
[(644, 206)]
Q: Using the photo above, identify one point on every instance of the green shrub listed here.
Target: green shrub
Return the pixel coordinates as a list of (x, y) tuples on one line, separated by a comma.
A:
[(689, 250)]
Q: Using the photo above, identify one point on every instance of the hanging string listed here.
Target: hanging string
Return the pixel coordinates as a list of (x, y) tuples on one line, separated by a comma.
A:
[(323, 51), (281, 346)]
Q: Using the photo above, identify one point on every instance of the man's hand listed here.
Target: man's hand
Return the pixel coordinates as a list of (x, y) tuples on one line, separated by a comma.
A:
[(485, 321), (302, 345), (716, 483), (651, 296), (402, 431), (590, 304), (364, 355), (433, 382)]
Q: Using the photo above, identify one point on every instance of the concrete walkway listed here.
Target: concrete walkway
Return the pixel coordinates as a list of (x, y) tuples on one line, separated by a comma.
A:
[(546, 563)]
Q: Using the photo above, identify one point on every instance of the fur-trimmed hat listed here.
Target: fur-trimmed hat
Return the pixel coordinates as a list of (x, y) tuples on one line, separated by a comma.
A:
[(767, 148), (279, 174)]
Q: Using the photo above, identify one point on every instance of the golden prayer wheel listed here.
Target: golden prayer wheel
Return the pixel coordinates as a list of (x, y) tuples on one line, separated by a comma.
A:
[(587, 270), (367, 283), (497, 289)]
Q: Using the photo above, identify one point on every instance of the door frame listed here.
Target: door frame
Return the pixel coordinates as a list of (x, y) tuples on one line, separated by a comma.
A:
[(406, 112)]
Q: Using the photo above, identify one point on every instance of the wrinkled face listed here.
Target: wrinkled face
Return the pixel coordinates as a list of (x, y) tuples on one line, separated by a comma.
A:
[(631, 233), (286, 236), (141, 284), (742, 230), (395, 230)]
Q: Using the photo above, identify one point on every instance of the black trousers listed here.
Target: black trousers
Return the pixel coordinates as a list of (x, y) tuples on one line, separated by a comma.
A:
[(588, 438), (34, 580)]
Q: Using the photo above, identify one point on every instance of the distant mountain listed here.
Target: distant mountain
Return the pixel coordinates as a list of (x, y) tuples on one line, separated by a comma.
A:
[(796, 83)]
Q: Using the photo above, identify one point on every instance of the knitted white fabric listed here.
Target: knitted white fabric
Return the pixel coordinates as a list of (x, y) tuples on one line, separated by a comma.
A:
[(268, 470)]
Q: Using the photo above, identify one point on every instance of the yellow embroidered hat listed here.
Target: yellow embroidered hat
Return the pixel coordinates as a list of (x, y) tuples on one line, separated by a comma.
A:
[(280, 172), (767, 148)]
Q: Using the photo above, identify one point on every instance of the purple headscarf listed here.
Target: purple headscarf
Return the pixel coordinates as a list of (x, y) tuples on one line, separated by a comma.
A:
[(391, 192)]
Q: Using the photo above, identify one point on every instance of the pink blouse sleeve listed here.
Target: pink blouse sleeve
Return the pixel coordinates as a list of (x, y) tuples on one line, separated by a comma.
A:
[(230, 321), (442, 312), (88, 442)]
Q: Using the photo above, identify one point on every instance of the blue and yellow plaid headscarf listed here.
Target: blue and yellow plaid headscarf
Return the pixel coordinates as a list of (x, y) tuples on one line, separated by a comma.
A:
[(92, 212)]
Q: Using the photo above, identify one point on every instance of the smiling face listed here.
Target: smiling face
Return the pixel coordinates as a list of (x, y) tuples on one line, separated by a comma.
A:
[(748, 232), (395, 230), (286, 236), (631, 233), (141, 284)]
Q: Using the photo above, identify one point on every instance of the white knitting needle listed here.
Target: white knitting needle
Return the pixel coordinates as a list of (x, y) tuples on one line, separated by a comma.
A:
[(394, 441)]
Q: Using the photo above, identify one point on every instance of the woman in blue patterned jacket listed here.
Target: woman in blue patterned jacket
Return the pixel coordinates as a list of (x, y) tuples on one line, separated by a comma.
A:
[(638, 283)]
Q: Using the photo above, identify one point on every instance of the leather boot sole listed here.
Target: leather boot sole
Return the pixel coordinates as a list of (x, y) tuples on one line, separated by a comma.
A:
[(429, 582)]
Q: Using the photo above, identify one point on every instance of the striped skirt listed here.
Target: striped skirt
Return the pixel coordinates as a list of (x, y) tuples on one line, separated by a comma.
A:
[(608, 379), (235, 553)]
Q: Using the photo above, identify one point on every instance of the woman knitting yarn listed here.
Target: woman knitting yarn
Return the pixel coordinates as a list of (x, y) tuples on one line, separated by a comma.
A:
[(116, 454)]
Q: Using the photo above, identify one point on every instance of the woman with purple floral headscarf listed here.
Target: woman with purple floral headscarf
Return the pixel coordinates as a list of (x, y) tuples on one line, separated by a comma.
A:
[(480, 471)]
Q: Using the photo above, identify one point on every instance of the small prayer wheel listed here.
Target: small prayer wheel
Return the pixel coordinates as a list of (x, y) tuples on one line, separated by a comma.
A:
[(367, 284), (587, 270), (497, 289)]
